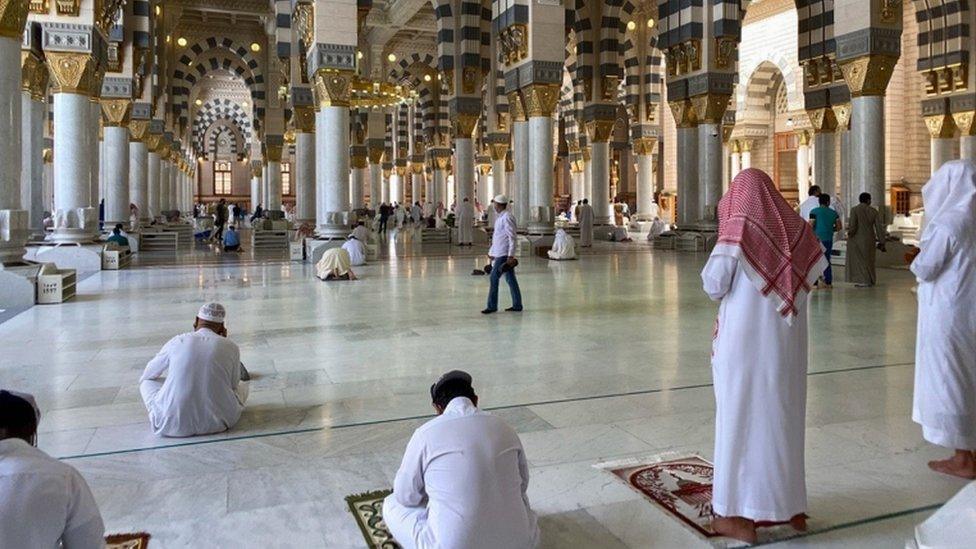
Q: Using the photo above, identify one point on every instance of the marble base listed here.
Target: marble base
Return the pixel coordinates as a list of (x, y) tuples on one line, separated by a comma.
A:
[(84, 258), (315, 248), (18, 285)]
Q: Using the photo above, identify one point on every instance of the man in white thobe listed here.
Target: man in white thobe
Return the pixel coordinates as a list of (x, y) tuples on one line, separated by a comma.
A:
[(44, 502), (759, 356), (945, 349), (586, 224), (415, 213), (202, 391), (356, 247), (465, 223), (360, 233), (463, 480), (563, 246)]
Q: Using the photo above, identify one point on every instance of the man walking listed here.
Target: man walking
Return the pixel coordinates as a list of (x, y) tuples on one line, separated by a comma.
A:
[(502, 255), (865, 235), (825, 222)]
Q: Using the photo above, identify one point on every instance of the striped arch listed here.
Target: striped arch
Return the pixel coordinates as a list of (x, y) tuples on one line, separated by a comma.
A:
[(773, 61), (651, 81), (201, 54), (445, 34), (215, 110), (220, 128), (611, 29), (584, 60), (404, 72), (761, 90)]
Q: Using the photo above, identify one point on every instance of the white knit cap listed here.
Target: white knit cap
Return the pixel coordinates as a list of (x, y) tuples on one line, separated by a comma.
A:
[(212, 312), (500, 199)]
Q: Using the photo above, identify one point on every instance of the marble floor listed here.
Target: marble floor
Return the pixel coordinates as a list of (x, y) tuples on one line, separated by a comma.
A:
[(609, 360)]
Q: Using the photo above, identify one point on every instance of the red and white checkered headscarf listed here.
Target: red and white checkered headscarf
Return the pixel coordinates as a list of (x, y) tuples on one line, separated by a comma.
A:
[(777, 244)]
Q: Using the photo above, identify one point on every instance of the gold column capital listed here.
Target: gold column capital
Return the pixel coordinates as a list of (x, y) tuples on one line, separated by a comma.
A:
[(272, 153), (465, 124), (509, 164), (115, 112), (73, 72), (868, 75), (746, 145), (587, 153), (416, 167), (684, 113), (498, 150), (843, 114), (332, 88), (303, 118), (941, 126), (516, 107), (710, 107), (138, 129), (645, 145), (540, 99), (13, 17), (357, 161), (375, 154), (33, 76), (154, 142), (804, 137), (964, 121), (256, 171), (442, 163), (823, 120), (599, 131)]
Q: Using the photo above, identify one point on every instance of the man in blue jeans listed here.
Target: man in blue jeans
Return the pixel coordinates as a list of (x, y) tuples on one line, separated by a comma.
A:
[(502, 255), (825, 222)]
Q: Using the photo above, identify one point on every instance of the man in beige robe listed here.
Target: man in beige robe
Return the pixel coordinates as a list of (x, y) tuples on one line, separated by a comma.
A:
[(865, 233)]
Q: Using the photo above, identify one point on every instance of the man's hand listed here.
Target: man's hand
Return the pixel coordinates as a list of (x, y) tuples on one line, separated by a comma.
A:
[(510, 261)]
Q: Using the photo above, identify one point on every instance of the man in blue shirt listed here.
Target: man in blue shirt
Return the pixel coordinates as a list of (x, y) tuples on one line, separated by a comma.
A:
[(825, 222), (117, 236), (232, 243)]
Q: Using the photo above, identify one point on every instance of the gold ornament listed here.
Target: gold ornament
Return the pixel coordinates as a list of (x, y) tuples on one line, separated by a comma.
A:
[(645, 145), (34, 76), (540, 99), (599, 131), (710, 107), (73, 73), (303, 118), (823, 120), (684, 113), (138, 129), (333, 88), (868, 75), (116, 111), (941, 126), (964, 121), (465, 124), (13, 17), (516, 107)]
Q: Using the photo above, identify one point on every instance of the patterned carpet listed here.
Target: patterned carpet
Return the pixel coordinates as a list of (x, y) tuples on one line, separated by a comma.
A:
[(138, 540), (367, 509)]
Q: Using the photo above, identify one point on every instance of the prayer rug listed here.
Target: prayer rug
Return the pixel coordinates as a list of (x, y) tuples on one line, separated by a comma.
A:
[(368, 511), (138, 540)]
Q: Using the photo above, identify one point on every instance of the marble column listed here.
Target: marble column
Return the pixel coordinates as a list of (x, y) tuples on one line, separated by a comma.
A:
[(542, 214), (499, 183), (518, 185), (139, 168), (256, 188), (332, 155), (93, 140), (174, 186), (736, 160), (687, 148), (803, 165), (117, 175), (576, 182), (967, 147), (709, 172), (942, 129), (746, 155), (13, 218), (824, 163), (32, 159), (395, 187), (305, 176), (644, 148), (153, 177), (375, 185), (385, 186), (164, 167), (442, 165), (76, 218), (867, 145), (358, 183), (587, 173), (274, 183), (464, 164), (600, 181)]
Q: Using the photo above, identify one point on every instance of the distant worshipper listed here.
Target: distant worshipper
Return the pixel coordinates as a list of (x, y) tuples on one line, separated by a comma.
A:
[(658, 227), (865, 235), (761, 270), (416, 212), (356, 248), (193, 385), (360, 233), (465, 223), (463, 479), (504, 241), (335, 265), (825, 223), (945, 349), (232, 241), (44, 502), (563, 246), (117, 236), (586, 224)]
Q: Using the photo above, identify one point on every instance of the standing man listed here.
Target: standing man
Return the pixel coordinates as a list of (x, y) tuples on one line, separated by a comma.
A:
[(220, 220), (945, 349), (825, 223), (465, 223), (502, 255), (811, 202), (865, 234), (202, 391), (415, 213), (43, 501), (463, 479), (384, 217), (586, 224), (759, 356)]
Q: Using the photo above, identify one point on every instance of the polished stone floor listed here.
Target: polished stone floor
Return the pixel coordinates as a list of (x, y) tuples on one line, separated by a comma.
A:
[(610, 360)]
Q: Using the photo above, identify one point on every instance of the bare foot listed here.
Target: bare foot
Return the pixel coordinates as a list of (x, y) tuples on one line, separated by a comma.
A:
[(738, 528), (799, 523), (963, 465)]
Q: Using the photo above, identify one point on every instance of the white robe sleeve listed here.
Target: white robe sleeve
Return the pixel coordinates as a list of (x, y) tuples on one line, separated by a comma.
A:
[(84, 528), (717, 276), (930, 262), (158, 365), (408, 486)]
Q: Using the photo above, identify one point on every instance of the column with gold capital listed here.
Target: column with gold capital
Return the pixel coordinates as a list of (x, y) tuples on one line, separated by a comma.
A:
[(33, 112), (116, 112), (540, 105), (518, 184), (139, 162), (600, 118), (464, 126), (686, 121), (303, 119), (273, 145), (710, 109), (332, 96), (645, 148), (13, 218), (153, 144)]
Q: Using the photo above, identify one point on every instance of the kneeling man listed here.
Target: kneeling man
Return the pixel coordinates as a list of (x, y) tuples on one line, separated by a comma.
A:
[(463, 479), (202, 391)]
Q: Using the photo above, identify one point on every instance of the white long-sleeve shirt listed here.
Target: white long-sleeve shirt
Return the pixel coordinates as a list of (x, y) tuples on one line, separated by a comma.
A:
[(504, 238), (44, 501), (199, 394), (468, 468)]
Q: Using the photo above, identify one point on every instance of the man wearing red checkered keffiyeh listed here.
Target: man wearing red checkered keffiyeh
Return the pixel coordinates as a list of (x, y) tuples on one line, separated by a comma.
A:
[(761, 270)]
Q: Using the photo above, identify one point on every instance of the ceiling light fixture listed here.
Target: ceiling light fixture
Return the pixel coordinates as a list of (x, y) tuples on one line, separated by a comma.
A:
[(159, 11), (359, 55), (255, 47), (168, 38), (631, 25), (391, 58), (198, 102), (650, 23), (426, 78), (181, 42)]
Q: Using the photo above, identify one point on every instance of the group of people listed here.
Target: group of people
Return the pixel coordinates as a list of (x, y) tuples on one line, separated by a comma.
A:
[(865, 234)]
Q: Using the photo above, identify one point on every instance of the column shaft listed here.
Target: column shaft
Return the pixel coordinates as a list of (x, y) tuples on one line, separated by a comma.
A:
[(305, 176), (117, 175), (709, 171), (803, 169), (152, 184), (824, 164), (375, 185), (519, 189), (464, 168), (93, 144), (645, 183), (600, 183), (332, 169), (256, 191), (867, 145), (499, 182), (76, 218), (32, 162), (139, 179), (967, 147), (358, 184), (942, 152), (174, 188), (14, 218), (687, 176), (274, 185)]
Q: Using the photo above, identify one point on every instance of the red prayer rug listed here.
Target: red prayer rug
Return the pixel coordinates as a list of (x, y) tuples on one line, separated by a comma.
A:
[(139, 540)]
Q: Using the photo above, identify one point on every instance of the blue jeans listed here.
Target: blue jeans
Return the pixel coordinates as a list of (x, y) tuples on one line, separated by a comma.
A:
[(828, 274), (496, 273)]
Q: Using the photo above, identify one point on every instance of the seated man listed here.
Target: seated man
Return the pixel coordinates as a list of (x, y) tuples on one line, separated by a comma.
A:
[(117, 237), (232, 241), (563, 246), (463, 479), (360, 233), (202, 392), (43, 502), (356, 249), (335, 265)]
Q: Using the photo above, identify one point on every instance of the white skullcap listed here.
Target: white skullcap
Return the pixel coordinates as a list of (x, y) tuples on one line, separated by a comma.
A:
[(500, 199), (212, 312)]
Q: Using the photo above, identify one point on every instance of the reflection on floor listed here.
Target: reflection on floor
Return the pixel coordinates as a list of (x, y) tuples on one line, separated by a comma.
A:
[(609, 360)]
